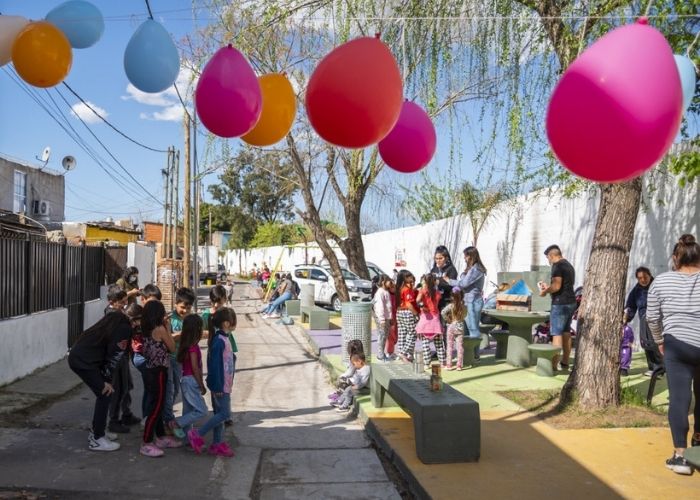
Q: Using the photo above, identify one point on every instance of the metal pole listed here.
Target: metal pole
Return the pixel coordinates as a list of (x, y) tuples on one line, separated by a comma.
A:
[(195, 189), (187, 206), (172, 201), (176, 162), (166, 217)]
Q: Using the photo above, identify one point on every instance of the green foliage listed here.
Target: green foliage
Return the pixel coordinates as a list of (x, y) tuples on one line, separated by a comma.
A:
[(686, 163)]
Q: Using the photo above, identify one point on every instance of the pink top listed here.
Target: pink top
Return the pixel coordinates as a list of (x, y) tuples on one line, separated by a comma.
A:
[(187, 363)]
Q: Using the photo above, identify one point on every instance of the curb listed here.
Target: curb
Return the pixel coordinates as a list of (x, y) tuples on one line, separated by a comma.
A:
[(373, 433)]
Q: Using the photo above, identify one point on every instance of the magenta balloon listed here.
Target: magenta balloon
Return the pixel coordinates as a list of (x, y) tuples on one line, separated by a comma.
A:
[(228, 97), (617, 108), (411, 143)]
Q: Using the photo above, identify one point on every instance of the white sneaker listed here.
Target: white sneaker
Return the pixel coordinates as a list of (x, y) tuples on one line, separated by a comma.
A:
[(103, 444), (273, 316), (112, 436)]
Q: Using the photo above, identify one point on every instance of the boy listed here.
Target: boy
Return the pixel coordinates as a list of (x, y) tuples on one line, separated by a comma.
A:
[(150, 292), (116, 299), (358, 380), (184, 299)]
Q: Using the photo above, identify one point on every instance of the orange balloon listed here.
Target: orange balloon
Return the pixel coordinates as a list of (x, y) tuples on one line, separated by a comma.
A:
[(42, 54), (279, 107)]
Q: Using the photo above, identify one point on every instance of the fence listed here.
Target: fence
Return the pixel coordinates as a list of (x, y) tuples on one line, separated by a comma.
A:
[(39, 276)]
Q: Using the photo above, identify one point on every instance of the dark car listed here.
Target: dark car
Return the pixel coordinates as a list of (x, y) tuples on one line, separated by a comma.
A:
[(218, 276)]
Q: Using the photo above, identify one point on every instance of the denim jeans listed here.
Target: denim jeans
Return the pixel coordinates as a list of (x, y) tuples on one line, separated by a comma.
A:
[(222, 412), (193, 405), (560, 318), (473, 315), (140, 364), (276, 305), (172, 389)]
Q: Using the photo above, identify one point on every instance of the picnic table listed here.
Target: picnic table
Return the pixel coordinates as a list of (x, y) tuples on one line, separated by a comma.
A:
[(520, 332)]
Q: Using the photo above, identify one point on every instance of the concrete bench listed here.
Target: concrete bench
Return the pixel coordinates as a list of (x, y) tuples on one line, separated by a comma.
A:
[(446, 424), (485, 328), (293, 307), (469, 343), (317, 317), (544, 354), (501, 337)]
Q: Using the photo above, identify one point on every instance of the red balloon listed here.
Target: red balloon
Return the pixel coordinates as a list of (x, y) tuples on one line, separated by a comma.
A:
[(411, 143), (354, 95)]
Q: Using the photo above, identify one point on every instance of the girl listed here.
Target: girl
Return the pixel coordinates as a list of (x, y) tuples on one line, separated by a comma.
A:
[(429, 326), (443, 267), (135, 311), (192, 384), (217, 300), (406, 314), (454, 315), (381, 307), (221, 364), (94, 358), (157, 344)]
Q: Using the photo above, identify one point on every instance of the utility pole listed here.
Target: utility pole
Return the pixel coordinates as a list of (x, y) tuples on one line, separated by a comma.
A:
[(166, 217), (176, 164), (172, 200), (187, 204), (209, 227), (195, 192)]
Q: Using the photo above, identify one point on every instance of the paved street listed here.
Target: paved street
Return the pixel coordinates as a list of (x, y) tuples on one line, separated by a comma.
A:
[(289, 443)]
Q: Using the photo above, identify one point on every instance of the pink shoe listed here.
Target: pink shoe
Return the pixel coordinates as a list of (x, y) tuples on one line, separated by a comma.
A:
[(150, 450), (220, 450), (196, 441), (167, 442)]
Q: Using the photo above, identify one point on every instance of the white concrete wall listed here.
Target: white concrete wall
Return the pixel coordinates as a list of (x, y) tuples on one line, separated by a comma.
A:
[(94, 310), (31, 342), (144, 258)]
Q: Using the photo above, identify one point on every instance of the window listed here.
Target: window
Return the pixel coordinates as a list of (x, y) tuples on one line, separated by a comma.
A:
[(301, 273), (317, 274), (20, 201)]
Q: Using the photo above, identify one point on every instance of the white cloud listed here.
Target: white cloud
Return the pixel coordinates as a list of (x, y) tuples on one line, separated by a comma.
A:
[(168, 99), (169, 114), (82, 111)]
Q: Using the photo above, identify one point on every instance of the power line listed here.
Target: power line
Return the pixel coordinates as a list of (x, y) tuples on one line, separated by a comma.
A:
[(110, 125)]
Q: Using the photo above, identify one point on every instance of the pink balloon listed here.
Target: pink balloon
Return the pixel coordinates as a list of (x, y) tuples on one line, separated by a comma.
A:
[(411, 143), (228, 97), (617, 108)]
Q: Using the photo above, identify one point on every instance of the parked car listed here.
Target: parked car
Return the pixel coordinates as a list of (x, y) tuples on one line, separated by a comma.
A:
[(325, 292), (374, 269), (218, 276)]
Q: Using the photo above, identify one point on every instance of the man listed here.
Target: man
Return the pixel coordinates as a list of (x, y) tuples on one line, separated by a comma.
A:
[(561, 288)]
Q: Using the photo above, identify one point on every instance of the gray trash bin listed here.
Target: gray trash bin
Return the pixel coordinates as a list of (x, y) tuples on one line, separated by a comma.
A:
[(357, 325), (306, 295)]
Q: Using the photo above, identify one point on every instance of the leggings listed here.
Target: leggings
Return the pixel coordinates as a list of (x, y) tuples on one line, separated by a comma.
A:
[(682, 362), (407, 331), (155, 384), (455, 335), (439, 347)]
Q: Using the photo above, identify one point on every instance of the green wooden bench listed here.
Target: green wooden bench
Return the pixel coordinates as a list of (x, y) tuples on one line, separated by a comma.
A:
[(446, 424), (293, 307), (317, 317), (544, 354)]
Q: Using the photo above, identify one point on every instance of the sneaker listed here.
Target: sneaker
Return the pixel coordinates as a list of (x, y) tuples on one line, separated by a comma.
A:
[(130, 420), (679, 465), (343, 409), (167, 442), (648, 373), (177, 430), (333, 395), (196, 441), (228, 423), (150, 450), (274, 316), (117, 426), (112, 436), (102, 444), (695, 440), (624, 373), (381, 357), (564, 366), (265, 316), (220, 450)]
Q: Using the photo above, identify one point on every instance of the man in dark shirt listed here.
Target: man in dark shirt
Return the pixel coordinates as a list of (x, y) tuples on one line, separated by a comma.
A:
[(561, 288)]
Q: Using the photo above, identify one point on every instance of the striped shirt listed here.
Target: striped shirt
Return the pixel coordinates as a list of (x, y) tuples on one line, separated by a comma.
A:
[(673, 307)]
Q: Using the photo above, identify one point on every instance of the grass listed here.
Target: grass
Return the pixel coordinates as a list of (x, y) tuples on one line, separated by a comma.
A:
[(632, 411)]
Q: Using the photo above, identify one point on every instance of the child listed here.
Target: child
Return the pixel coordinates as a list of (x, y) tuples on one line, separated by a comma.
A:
[(381, 307), (393, 334), (357, 381), (184, 298), (354, 347), (94, 358), (150, 292), (190, 356), (429, 326), (116, 299), (626, 345), (406, 314), (157, 343), (453, 315), (221, 365)]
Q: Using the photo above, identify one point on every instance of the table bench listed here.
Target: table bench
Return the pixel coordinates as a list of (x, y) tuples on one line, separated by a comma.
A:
[(544, 354), (293, 307), (446, 424), (317, 317)]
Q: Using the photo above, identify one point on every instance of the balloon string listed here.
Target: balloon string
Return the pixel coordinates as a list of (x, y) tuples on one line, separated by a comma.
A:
[(403, 51), (690, 47), (150, 13), (646, 11)]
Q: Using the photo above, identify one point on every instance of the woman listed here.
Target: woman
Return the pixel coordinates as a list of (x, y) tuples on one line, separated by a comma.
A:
[(471, 281), (286, 292), (129, 282), (637, 302), (673, 310), (443, 267)]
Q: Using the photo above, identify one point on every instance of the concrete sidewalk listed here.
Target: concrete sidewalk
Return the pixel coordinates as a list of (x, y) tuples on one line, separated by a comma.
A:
[(289, 443)]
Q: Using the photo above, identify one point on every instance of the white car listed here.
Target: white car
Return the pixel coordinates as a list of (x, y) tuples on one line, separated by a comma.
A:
[(374, 269), (324, 285)]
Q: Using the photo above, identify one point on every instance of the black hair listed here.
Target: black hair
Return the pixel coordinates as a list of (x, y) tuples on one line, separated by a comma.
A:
[(288, 276), (473, 253), (400, 279), (686, 251), (115, 293), (153, 317), (134, 311), (442, 250), (130, 271), (552, 247), (151, 291), (192, 327), (217, 321), (358, 356), (184, 295), (354, 347), (642, 269), (217, 294)]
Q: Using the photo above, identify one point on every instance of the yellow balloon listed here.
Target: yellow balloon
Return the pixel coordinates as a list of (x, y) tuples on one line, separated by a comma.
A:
[(279, 107), (42, 54)]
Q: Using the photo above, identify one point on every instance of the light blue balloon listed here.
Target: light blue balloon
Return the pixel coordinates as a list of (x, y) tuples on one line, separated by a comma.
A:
[(151, 60), (80, 21), (686, 69)]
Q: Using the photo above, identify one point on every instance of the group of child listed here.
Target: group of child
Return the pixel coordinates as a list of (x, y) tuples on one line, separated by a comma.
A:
[(403, 313), (165, 350)]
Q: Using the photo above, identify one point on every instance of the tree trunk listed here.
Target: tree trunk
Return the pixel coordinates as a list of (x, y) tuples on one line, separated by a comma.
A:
[(595, 380), (352, 246)]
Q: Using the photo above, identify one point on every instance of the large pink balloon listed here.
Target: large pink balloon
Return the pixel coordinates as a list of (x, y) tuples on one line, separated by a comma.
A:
[(617, 108), (228, 98), (411, 143)]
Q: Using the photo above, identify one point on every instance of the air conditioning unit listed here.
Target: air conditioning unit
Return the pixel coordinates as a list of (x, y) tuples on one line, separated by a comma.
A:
[(41, 207)]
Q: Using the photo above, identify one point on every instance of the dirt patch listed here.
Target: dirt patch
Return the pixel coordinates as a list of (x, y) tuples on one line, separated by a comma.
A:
[(545, 404)]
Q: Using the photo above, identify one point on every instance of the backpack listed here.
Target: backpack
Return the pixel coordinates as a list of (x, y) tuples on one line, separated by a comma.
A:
[(296, 289)]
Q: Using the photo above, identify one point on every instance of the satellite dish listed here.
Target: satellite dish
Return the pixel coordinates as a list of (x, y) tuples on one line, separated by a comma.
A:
[(45, 155), (69, 163)]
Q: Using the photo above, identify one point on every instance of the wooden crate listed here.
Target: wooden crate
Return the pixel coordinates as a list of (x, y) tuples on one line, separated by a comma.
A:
[(509, 302)]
